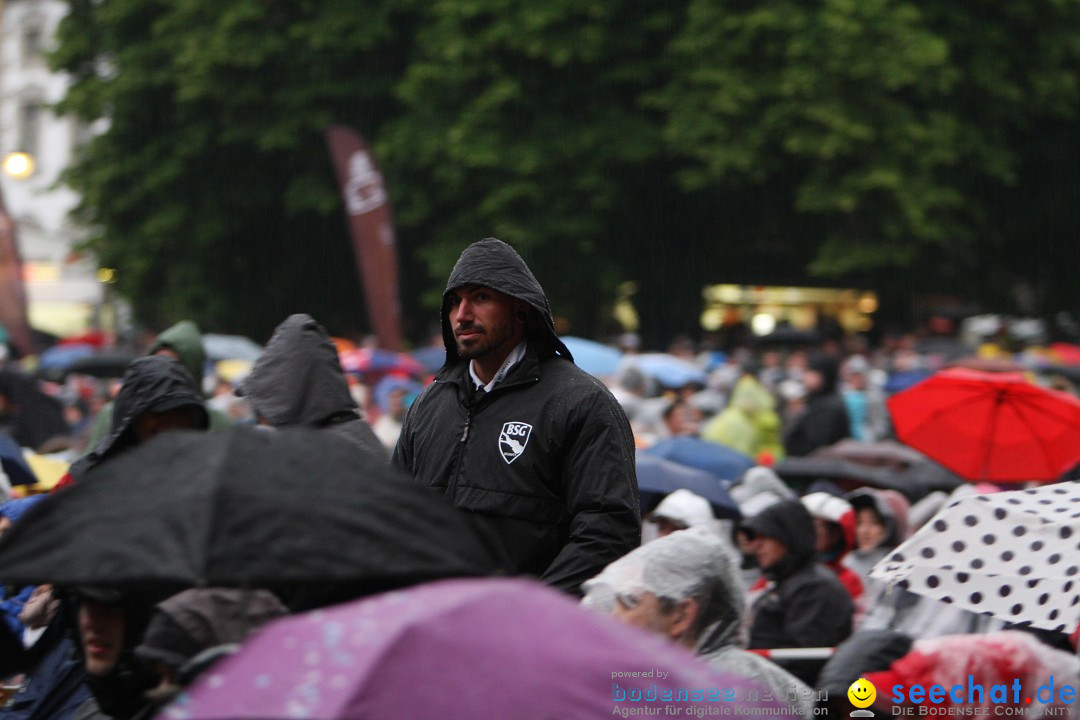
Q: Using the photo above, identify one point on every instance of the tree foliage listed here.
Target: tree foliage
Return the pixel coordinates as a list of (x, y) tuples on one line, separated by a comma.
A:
[(211, 192), (666, 143)]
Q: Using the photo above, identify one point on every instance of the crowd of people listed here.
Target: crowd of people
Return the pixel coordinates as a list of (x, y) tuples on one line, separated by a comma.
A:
[(540, 455)]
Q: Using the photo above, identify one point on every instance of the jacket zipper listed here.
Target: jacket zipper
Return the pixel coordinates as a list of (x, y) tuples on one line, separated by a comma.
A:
[(461, 451), (465, 432)]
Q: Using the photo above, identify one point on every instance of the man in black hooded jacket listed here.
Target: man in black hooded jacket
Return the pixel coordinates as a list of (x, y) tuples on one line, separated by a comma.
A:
[(515, 433), (824, 421), (804, 604), (158, 394)]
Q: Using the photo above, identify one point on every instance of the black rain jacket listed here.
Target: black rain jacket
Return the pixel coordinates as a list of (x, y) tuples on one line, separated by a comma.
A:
[(545, 460), (807, 606), (153, 383)]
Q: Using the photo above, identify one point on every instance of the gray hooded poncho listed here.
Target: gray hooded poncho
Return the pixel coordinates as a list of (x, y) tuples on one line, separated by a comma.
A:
[(298, 382), (695, 563)]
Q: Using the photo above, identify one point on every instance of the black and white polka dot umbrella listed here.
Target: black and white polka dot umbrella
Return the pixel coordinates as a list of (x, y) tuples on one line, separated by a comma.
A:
[(1014, 555)]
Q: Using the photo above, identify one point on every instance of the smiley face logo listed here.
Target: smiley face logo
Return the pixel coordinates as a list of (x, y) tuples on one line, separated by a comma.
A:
[(862, 693)]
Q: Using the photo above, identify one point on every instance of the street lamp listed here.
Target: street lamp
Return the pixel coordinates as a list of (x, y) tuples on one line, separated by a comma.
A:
[(19, 165)]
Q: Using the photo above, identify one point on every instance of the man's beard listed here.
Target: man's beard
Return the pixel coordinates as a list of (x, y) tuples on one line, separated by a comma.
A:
[(487, 343)]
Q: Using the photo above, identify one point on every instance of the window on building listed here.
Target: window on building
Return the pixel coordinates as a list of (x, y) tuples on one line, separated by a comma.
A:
[(30, 117), (33, 39)]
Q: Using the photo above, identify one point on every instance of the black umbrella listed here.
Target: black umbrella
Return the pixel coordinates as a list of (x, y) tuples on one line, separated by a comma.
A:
[(30, 416), (109, 364), (243, 508), (803, 471)]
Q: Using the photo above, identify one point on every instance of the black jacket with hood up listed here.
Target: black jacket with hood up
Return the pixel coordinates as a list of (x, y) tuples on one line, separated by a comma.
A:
[(806, 605), (545, 460), (153, 383), (298, 382), (825, 419)]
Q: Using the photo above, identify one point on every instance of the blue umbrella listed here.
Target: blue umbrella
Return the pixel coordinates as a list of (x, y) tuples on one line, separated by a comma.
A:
[(389, 384), (898, 381), (60, 357), (723, 462), (658, 477), (13, 462), (670, 371), (230, 347), (593, 357), (431, 357)]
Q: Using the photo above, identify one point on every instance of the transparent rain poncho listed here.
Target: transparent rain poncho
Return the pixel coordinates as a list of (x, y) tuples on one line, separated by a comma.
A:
[(692, 563), (696, 563)]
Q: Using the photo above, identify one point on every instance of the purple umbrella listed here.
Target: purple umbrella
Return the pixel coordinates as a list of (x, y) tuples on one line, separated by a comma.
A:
[(462, 649)]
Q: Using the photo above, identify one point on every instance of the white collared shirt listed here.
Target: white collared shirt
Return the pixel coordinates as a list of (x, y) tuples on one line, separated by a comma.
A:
[(512, 359)]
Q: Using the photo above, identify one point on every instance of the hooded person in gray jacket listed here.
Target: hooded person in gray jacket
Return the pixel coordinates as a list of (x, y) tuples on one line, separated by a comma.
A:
[(298, 382), (685, 587), (512, 432)]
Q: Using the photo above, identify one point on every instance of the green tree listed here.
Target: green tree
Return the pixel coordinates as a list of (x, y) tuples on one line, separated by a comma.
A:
[(524, 121), (211, 192), (908, 146), (893, 129)]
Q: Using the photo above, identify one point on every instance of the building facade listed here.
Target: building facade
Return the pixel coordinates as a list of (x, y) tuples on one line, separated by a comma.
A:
[(36, 145)]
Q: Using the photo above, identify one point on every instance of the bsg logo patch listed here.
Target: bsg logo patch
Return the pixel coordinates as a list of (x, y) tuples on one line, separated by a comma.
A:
[(512, 440)]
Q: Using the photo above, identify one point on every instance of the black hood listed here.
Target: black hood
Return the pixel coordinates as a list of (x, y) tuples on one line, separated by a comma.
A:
[(154, 383), (121, 693), (494, 264), (829, 367), (789, 522), (298, 379)]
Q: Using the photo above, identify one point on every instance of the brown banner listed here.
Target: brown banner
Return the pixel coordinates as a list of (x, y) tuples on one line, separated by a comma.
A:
[(12, 290), (372, 228)]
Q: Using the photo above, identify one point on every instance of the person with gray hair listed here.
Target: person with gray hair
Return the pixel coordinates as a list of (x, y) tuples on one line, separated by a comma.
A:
[(685, 587)]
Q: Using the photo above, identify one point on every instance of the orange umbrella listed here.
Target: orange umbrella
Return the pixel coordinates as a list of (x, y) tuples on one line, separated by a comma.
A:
[(343, 344)]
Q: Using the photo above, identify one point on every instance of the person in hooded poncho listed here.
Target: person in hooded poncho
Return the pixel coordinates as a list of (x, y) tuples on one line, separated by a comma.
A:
[(824, 420), (685, 587), (298, 382), (749, 423), (183, 342), (834, 524), (880, 525), (513, 432), (158, 394), (804, 605)]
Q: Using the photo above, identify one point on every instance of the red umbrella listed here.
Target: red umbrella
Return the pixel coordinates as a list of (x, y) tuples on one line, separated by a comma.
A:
[(996, 427)]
